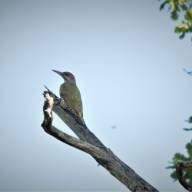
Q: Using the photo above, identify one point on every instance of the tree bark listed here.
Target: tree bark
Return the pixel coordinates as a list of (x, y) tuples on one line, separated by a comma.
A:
[(89, 143)]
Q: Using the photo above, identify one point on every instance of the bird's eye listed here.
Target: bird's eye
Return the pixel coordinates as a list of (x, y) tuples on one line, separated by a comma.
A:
[(66, 74), (69, 75)]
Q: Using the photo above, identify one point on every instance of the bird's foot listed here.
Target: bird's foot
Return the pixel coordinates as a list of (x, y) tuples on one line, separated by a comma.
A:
[(58, 101)]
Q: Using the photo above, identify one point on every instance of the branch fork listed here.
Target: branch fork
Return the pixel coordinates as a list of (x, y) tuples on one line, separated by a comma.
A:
[(87, 142)]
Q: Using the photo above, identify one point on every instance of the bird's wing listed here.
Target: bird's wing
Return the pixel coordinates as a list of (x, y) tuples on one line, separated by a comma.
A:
[(71, 95)]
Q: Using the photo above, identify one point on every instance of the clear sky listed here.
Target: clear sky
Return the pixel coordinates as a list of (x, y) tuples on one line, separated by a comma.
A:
[(128, 65)]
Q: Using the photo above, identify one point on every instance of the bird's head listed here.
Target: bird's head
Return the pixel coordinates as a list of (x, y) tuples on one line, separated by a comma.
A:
[(67, 76)]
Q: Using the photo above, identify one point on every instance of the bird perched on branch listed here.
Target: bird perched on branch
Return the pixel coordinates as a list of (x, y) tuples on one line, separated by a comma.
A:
[(70, 93)]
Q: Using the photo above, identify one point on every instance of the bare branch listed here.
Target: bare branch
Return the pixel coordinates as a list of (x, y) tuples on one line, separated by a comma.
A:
[(90, 144), (70, 119), (70, 140), (81, 145)]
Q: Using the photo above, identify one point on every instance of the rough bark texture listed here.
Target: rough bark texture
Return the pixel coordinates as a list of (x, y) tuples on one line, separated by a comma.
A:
[(90, 144)]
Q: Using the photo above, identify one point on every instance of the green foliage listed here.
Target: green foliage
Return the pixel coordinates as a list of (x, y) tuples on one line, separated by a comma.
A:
[(181, 11), (178, 158), (187, 129), (190, 119)]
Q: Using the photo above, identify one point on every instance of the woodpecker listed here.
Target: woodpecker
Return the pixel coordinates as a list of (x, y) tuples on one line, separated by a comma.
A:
[(70, 93)]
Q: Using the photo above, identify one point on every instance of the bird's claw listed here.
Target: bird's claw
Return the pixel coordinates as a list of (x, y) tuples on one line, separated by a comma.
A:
[(58, 101)]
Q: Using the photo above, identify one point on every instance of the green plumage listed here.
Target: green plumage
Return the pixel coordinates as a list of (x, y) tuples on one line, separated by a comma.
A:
[(72, 97)]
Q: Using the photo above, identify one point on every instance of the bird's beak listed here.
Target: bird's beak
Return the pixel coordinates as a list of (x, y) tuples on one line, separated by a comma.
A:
[(58, 72)]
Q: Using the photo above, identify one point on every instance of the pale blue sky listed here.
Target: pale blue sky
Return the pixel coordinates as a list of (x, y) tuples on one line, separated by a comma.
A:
[(128, 65)]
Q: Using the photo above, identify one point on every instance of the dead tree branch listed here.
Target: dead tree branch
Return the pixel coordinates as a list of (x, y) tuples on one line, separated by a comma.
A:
[(90, 144)]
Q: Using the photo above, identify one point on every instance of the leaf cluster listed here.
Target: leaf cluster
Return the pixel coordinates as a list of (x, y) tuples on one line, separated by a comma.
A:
[(179, 158), (180, 10)]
